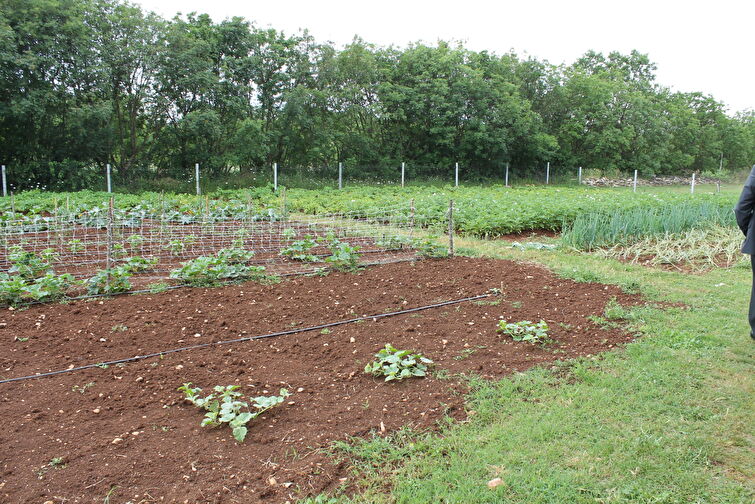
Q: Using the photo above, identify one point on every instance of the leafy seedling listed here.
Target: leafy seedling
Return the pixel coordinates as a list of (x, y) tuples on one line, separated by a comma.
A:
[(225, 405), (525, 331), (397, 364)]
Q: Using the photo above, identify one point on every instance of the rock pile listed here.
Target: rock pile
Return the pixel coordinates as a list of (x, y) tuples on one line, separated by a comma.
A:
[(655, 181)]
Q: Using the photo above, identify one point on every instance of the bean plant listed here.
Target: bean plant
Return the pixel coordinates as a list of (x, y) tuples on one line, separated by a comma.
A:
[(397, 364), (226, 405)]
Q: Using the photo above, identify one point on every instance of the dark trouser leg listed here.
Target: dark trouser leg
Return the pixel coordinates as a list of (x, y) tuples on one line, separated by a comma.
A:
[(752, 297)]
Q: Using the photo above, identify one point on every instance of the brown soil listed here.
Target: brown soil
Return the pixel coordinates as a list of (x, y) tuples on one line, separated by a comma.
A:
[(126, 428)]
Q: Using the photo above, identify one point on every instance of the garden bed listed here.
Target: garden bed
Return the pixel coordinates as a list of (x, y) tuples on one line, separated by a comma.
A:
[(126, 432)]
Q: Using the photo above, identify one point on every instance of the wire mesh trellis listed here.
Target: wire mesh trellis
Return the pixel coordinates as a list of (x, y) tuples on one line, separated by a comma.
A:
[(84, 244)]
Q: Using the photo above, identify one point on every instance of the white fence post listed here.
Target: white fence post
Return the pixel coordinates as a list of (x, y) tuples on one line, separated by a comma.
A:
[(692, 185), (548, 173), (507, 175), (196, 178), (340, 175), (5, 185), (579, 176), (634, 184), (109, 184), (403, 167), (457, 174), (275, 176)]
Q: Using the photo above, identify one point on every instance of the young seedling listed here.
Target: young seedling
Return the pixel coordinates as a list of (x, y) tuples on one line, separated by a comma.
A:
[(397, 364), (225, 405), (525, 331)]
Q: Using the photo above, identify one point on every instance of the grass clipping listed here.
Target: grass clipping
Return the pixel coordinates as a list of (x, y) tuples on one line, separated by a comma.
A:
[(695, 249)]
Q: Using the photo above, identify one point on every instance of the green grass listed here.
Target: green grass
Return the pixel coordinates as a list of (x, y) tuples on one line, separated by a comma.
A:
[(668, 419)]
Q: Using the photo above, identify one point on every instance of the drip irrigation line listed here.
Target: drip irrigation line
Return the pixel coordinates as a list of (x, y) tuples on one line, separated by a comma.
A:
[(241, 340)]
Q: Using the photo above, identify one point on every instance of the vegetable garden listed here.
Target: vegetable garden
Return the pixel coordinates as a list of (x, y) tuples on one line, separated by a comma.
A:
[(245, 392), (124, 430)]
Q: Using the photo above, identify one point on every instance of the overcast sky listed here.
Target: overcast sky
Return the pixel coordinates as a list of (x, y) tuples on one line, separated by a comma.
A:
[(705, 46)]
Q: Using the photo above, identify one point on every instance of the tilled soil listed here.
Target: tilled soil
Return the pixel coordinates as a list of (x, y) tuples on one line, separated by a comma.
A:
[(125, 431)]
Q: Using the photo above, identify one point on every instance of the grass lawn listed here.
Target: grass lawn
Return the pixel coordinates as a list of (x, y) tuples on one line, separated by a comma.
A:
[(667, 419)]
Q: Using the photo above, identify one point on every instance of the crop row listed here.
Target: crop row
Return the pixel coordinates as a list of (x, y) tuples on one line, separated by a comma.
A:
[(484, 211)]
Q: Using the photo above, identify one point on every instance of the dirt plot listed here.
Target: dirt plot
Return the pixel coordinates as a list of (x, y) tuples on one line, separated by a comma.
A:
[(125, 430)]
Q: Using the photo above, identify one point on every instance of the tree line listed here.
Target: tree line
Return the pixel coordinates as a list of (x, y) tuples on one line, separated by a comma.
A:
[(89, 82)]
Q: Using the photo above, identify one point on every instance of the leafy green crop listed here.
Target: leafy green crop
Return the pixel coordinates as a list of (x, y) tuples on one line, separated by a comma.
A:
[(205, 271), (525, 331), (397, 364), (29, 265), (299, 250), (32, 278), (225, 405), (110, 281), (344, 256)]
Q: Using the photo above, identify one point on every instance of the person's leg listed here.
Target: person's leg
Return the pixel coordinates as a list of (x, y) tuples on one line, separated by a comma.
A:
[(752, 299)]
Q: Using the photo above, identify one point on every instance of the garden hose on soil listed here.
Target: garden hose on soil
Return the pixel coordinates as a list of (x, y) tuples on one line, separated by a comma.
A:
[(241, 340)]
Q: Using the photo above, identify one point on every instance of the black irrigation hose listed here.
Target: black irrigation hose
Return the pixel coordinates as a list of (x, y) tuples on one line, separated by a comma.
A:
[(241, 340)]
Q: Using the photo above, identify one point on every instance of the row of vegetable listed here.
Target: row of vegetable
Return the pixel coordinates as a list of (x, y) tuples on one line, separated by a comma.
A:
[(483, 211)]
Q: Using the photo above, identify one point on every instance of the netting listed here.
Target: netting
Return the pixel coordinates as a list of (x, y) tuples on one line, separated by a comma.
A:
[(282, 243)]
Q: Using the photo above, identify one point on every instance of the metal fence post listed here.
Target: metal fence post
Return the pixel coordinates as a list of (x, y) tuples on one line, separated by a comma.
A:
[(450, 228), (196, 177), (457, 175), (275, 176), (109, 184), (411, 218), (507, 175), (403, 171), (692, 185), (579, 176), (109, 252), (5, 185), (634, 184), (340, 175), (548, 173)]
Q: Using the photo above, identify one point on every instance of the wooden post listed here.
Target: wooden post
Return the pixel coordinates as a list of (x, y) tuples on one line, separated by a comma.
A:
[(634, 184), (411, 218), (507, 175), (284, 204), (450, 228), (340, 176), (109, 253), (109, 184), (457, 174), (275, 176), (196, 177), (403, 167)]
